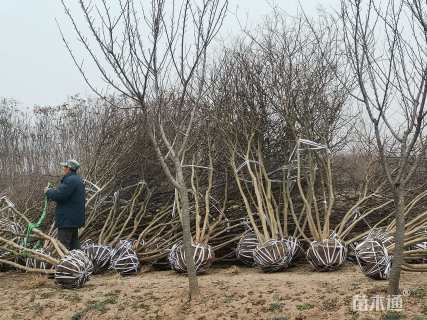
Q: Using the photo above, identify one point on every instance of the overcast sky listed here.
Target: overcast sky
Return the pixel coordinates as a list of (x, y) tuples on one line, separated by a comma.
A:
[(36, 69)]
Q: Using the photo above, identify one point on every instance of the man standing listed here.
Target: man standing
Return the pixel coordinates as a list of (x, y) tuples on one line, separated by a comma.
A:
[(70, 205)]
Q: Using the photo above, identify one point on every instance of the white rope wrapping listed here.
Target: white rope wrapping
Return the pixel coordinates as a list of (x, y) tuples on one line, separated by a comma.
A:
[(203, 257), (421, 245), (351, 252), (246, 246), (74, 270), (32, 262), (272, 256), (86, 244), (124, 259), (79, 254), (381, 235), (125, 262), (293, 246), (326, 255), (373, 259), (124, 244), (100, 256)]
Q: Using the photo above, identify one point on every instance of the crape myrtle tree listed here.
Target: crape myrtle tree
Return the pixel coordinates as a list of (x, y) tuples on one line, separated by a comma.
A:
[(386, 44), (153, 53)]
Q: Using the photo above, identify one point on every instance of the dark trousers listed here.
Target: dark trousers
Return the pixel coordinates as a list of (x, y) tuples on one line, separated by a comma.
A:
[(69, 237)]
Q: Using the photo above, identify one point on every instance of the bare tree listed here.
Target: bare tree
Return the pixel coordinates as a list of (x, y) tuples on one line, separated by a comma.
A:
[(386, 43), (154, 54)]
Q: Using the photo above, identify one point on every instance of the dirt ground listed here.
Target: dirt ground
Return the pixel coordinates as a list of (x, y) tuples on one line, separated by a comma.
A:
[(228, 292)]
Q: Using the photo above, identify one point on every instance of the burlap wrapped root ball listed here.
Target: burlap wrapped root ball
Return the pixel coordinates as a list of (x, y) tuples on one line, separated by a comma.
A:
[(272, 256), (381, 235), (246, 246), (100, 255), (125, 244), (373, 259), (351, 252), (420, 246), (326, 255), (86, 244), (203, 257), (294, 248), (124, 259), (74, 270)]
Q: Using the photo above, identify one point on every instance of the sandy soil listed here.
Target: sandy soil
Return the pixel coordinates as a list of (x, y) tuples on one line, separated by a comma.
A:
[(228, 292)]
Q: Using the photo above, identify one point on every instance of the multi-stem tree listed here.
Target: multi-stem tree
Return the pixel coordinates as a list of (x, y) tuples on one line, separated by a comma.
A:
[(154, 53)]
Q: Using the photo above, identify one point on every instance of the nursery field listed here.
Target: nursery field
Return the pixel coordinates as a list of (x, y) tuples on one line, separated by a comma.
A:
[(228, 292)]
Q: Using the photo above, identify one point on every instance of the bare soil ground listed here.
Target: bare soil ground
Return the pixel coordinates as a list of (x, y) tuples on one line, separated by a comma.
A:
[(228, 292)]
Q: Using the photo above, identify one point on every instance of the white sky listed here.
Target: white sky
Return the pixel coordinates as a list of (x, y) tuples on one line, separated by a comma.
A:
[(36, 69)]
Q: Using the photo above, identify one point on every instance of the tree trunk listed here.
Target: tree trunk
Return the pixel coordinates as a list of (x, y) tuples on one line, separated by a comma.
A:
[(179, 183), (188, 248), (399, 236)]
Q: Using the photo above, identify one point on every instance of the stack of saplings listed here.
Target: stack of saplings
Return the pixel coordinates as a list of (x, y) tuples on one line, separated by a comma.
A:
[(129, 213), (131, 226), (16, 245)]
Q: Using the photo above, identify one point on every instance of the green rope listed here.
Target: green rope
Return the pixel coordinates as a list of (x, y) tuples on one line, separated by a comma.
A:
[(31, 226)]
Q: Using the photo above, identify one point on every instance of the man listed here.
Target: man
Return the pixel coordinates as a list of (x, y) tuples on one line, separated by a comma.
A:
[(70, 205)]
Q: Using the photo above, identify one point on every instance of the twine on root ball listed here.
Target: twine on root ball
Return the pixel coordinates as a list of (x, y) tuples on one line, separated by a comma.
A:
[(373, 259), (203, 257), (125, 261), (73, 270), (351, 252), (86, 244), (124, 244), (293, 246), (246, 246), (380, 235), (272, 256), (422, 245), (326, 255), (100, 256), (34, 263), (82, 256)]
